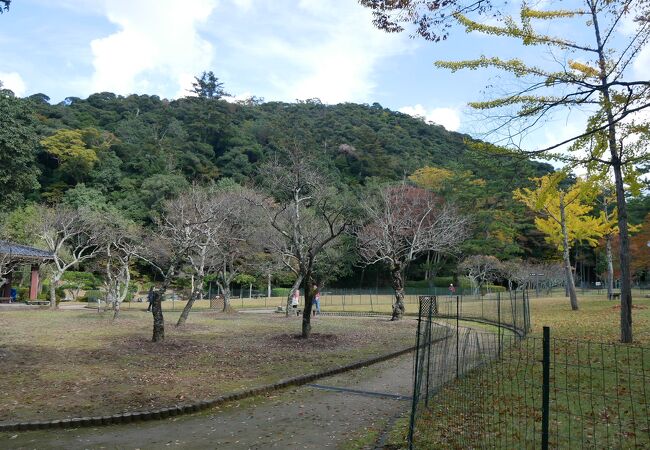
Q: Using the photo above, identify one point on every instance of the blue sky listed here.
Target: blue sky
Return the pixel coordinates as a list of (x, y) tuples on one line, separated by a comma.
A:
[(275, 49)]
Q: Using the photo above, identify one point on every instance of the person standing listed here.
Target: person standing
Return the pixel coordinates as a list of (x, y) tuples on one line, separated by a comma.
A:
[(316, 305), (150, 297), (295, 300), (452, 289)]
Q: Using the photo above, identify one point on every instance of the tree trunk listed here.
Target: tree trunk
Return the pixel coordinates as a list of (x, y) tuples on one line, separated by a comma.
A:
[(158, 319), (626, 279), (121, 294), (296, 285), (190, 302), (427, 266), (116, 309), (306, 311), (610, 266), (397, 282), (53, 284), (571, 287), (186, 310), (225, 290)]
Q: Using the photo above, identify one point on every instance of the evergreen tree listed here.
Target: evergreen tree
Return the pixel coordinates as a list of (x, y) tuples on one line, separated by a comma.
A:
[(208, 86), (18, 142)]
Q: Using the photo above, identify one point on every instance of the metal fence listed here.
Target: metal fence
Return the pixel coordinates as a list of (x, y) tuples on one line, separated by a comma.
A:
[(479, 389)]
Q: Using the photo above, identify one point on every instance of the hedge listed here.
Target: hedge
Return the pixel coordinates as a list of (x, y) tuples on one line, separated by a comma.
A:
[(280, 292)]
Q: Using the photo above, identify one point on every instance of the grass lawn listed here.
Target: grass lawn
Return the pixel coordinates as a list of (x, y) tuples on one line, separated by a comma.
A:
[(79, 362), (599, 396)]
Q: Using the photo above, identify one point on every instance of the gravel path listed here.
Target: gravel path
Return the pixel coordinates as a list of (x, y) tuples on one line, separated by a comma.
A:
[(302, 418)]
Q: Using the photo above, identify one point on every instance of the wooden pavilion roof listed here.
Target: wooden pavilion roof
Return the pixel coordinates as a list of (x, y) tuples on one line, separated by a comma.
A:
[(23, 252)]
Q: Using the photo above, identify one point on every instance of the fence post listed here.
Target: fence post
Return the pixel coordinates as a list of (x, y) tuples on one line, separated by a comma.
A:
[(416, 380), (546, 372), (457, 334), (526, 312), (499, 324), (429, 341)]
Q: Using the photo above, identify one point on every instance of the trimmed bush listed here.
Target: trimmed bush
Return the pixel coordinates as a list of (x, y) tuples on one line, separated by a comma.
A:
[(280, 292), (91, 296)]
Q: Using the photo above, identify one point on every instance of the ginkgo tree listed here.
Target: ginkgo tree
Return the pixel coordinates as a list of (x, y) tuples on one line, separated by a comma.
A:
[(564, 217), (587, 49), (589, 72)]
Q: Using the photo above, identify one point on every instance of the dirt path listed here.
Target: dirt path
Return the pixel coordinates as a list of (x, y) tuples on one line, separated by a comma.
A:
[(304, 418)]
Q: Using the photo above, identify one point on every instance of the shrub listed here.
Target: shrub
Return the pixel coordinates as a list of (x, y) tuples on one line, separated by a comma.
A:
[(91, 296), (280, 292), (23, 293), (81, 280)]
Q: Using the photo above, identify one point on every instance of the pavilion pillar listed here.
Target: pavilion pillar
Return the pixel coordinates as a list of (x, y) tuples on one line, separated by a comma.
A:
[(33, 287)]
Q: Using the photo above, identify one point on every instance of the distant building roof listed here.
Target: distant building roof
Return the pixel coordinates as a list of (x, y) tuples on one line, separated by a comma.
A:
[(23, 251)]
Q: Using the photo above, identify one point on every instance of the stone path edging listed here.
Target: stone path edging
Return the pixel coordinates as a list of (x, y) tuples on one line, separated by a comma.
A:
[(163, 413)]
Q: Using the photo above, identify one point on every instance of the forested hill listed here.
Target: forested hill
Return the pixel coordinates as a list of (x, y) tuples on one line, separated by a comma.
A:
[(132, 152)]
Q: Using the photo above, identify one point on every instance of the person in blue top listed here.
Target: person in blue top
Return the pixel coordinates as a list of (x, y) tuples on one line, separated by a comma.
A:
[(316, 306)]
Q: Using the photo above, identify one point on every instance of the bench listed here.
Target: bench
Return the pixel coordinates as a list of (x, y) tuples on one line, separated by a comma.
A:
[(5, 299), (38, 302), (615, 295)]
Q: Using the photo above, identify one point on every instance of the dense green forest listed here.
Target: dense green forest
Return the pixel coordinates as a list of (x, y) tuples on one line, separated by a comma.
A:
[(131, 153)]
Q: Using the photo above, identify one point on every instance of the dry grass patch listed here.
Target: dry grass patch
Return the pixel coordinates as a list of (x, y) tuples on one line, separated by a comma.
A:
[(69, 363)]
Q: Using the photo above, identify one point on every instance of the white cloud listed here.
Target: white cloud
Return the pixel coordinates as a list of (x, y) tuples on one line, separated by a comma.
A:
[(245, 5), (447, 117), (641, 64), (157, 45), (14, 82), (328, 50)]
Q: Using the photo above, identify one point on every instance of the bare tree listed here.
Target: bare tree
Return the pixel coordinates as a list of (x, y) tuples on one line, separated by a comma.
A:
[(404, 222), (592, 44), (71, 236), (166, 250), (481, 269), (6, 263), (517, 273), (237, 242), (208, 215), (554, 274), (308, 213), (122, 242), (268, 263)]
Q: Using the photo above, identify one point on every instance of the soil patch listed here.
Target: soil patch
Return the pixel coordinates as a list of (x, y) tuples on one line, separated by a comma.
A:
[(296, 341)]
